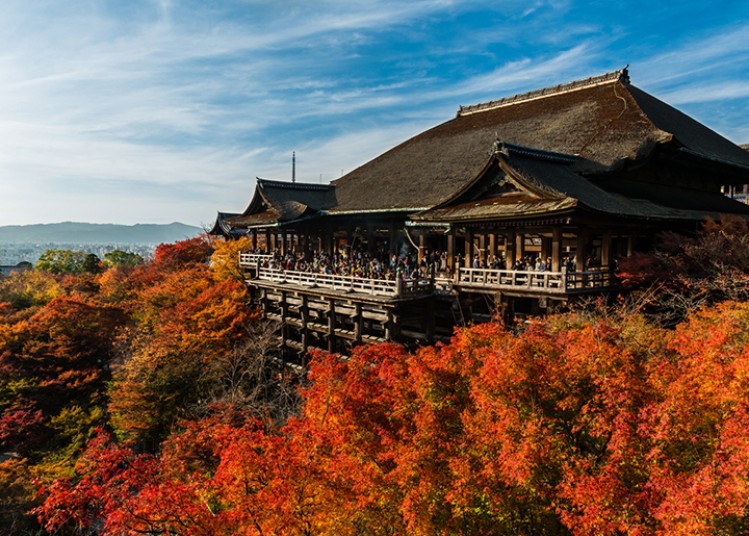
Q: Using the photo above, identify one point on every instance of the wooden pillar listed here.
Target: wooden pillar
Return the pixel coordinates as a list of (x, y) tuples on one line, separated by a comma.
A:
[(556, 250), (331, 325), (492, 246), (451, 250), (510, 253), (349, 241), (389, 325), (630, 245), (468, 261), (606, 250), (304, 313), (253, 242), (482, 248), (392, 240), (429, 323), (581, 250), (358, 322), (267, 241), (284, 241), (370, 239), (545, 247), (273, 242), (520, 245), (283, 305), (422, 245)]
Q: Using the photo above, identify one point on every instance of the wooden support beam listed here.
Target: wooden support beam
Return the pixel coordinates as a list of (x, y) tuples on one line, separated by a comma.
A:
[(510, 252), (389, 326), (606, 249), (429, 322), (370, 238), (520, 245), (304, 314), (283, 306), (451, 250), (358, 323), (468, 250), (331, 325), (556, 249), (581, 250), (392, 240)]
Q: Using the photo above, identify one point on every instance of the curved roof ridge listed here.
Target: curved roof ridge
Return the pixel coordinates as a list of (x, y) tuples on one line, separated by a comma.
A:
[(293, 185), (606, 78)]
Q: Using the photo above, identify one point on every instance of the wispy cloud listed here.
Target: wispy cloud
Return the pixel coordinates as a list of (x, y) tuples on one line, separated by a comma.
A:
[(172, 108)]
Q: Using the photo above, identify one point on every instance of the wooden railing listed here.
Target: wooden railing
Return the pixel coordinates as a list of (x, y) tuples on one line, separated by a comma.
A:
[(251, 260), (342, 283), (548, 282), (562, 282)]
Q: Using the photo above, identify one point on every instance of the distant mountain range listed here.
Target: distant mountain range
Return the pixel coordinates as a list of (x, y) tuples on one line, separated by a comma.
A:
[(96, 233)]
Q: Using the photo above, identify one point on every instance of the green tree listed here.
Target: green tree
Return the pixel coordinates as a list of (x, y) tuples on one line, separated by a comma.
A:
[(62, 261), (124, 259)]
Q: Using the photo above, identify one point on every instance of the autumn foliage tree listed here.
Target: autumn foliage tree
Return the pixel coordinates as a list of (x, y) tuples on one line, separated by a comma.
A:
[(578, 425), (149, 399), (685, 273), (177, 336)]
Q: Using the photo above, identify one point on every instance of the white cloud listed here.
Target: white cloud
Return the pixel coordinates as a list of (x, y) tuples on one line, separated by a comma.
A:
[(171, 108)]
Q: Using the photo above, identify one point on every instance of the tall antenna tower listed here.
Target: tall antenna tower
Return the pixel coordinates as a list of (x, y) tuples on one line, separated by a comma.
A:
[(293, 166)]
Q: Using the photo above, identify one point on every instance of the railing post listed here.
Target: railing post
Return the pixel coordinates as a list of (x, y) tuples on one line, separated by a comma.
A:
[(399, 286), (563, 284)]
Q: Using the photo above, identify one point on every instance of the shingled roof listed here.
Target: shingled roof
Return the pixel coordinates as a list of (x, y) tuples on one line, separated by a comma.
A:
[(605, 120), (277, 202)]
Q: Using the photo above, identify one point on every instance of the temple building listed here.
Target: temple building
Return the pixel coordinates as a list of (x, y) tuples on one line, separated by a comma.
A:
[(526, 203)]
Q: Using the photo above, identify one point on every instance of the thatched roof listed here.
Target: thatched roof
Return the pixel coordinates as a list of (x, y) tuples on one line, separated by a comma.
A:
[(604, 125), (604, 120)]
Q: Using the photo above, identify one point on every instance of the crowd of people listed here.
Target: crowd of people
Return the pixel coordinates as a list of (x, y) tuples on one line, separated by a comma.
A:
[(362, 265), (408, 265)]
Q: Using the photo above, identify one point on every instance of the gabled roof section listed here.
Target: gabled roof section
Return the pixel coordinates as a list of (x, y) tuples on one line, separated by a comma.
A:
[(275, 203), (524, 182), (222, 225), (604, 120), (290, 199)]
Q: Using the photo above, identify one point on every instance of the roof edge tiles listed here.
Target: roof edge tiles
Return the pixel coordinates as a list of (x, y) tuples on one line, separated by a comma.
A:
[(512, 149), (614, 76)]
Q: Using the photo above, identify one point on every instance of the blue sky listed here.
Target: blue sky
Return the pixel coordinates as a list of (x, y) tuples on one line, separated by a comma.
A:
[(152, 111)]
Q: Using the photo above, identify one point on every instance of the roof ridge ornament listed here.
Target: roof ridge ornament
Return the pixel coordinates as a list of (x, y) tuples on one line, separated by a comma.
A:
[(499, 147), (622, 75)]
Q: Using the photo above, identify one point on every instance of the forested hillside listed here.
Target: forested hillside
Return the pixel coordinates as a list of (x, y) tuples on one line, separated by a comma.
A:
[(147, 400), (95, 233)]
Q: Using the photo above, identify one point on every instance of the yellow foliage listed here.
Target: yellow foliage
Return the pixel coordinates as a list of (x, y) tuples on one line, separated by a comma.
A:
[(225, 259)]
